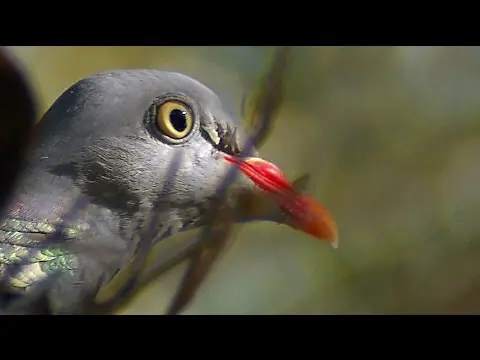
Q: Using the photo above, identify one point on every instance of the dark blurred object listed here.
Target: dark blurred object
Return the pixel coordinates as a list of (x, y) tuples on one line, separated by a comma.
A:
[(17, 116)]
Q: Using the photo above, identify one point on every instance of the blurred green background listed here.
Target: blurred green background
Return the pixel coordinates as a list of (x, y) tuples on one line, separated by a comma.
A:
[(391, 136)]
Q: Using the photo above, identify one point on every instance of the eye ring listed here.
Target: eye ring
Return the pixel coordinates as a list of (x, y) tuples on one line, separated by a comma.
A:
[(174, 119)]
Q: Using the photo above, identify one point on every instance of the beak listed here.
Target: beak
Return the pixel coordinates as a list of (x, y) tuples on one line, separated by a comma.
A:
[(304, 213)]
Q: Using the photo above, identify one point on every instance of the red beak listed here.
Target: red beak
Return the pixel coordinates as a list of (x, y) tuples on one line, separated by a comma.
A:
[(304, 212)]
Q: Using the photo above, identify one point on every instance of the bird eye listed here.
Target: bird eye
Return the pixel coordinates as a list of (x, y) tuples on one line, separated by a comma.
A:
[(174, 119)]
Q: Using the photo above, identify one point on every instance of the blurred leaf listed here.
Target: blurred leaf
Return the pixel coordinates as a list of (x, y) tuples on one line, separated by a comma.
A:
[(261, 108)]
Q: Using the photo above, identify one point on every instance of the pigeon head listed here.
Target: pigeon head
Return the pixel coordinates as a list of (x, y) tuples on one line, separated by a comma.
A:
[(130, 138)]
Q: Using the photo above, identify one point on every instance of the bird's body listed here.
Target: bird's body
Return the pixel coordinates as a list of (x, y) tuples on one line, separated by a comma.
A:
[(105, 164)]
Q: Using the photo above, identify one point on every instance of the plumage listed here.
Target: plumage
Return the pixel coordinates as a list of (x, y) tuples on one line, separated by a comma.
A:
[(106, 172)]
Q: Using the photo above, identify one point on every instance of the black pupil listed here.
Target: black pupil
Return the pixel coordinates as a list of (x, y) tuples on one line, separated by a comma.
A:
[(178, 118)]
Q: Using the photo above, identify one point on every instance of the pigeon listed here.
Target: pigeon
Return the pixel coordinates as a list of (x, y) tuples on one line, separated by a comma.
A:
[(120, 161)]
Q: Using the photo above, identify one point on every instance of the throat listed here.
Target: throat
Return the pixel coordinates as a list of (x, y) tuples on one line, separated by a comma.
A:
[(179, 220)]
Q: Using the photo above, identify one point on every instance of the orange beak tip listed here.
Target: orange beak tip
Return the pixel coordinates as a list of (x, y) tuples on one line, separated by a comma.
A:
[(317, 221), (335, 243), (334, 240)]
